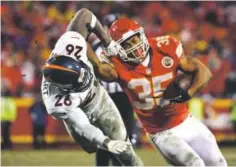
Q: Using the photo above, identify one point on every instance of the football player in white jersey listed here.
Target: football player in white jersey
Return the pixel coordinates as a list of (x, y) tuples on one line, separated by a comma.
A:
[(71, 93)]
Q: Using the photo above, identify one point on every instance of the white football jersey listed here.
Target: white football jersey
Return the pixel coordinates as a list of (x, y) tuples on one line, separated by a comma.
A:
[(90, 116), (73, 45)]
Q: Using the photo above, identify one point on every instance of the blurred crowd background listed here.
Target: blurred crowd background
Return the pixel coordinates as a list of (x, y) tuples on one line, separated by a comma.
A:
[(30, 29)]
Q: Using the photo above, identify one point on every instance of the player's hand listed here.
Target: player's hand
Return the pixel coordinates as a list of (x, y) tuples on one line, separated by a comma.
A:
[(165, 102), (113, 49), (183, 97), (117, 146), (180, 95)]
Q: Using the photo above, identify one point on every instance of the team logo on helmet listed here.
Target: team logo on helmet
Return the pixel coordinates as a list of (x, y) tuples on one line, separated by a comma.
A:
[(167, 62)]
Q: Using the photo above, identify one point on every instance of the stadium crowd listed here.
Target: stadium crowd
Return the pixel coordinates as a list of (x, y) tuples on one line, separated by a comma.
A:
[(30, 30)]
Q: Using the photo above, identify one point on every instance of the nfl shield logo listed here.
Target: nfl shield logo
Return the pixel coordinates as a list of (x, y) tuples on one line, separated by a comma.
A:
[(148, 71)]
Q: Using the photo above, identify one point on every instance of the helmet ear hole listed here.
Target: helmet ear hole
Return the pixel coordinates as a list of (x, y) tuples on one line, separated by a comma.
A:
[(81, 77)]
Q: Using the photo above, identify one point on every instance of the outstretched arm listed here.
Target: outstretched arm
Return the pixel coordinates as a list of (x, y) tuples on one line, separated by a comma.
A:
[(85, 22), (78, 124), (105, 70)]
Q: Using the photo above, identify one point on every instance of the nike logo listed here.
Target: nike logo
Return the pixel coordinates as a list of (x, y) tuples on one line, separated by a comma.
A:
[(178, 97)]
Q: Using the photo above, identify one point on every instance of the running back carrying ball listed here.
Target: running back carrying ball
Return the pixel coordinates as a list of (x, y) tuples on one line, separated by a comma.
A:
[(177, 90)]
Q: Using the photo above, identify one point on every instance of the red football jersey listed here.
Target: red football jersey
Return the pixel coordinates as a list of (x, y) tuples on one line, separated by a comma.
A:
[(145, 85)]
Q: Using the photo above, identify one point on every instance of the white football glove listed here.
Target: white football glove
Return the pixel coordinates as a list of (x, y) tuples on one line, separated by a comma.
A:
[(112, 49), (117, 146)]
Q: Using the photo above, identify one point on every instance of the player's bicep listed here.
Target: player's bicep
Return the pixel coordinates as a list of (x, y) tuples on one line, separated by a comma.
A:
[(80, 22), (85, 22), (188, 64), (77, 117)]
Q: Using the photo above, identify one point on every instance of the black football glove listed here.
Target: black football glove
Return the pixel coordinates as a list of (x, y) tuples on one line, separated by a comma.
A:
[(180, 96), (183, 97)]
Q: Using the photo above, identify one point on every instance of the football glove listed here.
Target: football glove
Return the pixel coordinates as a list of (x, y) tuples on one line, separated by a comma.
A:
[(113, 49), (116, 146), (182, 97)]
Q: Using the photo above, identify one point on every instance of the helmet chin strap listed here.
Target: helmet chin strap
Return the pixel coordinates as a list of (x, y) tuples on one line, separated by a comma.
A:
[(146, 61)]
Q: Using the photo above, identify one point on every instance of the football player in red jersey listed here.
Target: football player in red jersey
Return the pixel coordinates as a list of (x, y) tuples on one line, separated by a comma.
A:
[(144, 67)]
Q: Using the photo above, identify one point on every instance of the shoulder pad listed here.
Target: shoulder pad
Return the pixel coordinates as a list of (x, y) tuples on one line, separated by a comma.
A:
[(170, 46), (71, 44)]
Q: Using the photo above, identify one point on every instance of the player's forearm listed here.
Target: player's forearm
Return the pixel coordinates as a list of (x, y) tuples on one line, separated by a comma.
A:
[(93, 58), (81, 125), (201, 77), (92, 133), (104, 71), (85, 22)]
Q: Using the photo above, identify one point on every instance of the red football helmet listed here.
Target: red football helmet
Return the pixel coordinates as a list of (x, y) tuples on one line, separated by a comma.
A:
[(124, 28)]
